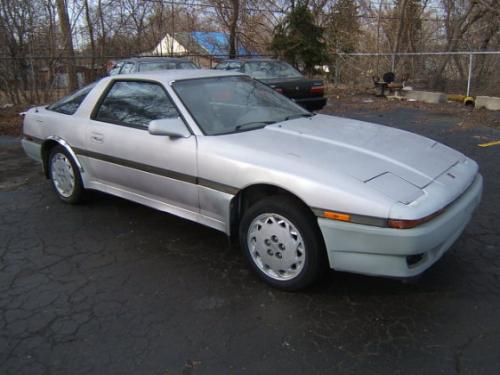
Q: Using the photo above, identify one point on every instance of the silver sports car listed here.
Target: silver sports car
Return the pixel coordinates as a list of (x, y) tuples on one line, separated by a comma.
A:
[(301, 191)]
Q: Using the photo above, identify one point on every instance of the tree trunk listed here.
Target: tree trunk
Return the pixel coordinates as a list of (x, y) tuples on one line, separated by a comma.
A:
[(51, 53), (68, 44), (90, 28), (459, 28), (481, 59), (401, 25), (102, 42), (232, 29)]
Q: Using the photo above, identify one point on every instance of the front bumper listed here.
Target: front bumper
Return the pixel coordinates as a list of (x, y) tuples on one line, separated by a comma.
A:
[(311, 104), (391, 252)]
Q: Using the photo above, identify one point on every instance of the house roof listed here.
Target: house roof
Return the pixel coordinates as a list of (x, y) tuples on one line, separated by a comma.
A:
[(212, 43)]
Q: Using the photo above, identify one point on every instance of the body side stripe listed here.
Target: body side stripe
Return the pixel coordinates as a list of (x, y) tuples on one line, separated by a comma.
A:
[(158, 171)]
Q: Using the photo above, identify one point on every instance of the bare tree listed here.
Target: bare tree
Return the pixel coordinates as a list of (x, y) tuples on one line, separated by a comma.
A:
[(228, 12), (37, 35), (102, 38), (68, 43), (458, 21), (233, 28), (90, 28)]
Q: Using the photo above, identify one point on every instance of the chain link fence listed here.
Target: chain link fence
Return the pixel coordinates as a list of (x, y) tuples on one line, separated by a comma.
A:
[(43, 79), (463, 73)]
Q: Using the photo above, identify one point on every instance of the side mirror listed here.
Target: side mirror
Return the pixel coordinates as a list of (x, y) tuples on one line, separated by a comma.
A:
[(171, 127)]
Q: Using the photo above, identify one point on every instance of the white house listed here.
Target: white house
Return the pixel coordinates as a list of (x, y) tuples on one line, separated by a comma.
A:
[(205, 48)]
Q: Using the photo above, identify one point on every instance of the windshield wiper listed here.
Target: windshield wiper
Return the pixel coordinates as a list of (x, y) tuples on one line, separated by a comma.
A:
[(297, 115), (252, 124)]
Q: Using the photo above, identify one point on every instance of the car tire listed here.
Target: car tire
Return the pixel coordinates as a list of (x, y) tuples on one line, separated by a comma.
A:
[(65, 176), (282, 243)]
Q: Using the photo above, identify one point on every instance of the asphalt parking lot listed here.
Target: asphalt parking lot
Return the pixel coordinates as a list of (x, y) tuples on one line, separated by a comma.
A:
[(111, 287)]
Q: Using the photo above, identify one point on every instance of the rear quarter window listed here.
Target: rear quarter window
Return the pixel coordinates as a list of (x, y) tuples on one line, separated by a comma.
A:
[(70, 104)]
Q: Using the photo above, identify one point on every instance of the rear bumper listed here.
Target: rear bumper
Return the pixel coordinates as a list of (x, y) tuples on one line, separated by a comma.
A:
[(398, 252), (33, 149), (312, 104)]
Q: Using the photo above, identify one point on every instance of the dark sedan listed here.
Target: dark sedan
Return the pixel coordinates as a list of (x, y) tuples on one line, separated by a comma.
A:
[(282, 77)]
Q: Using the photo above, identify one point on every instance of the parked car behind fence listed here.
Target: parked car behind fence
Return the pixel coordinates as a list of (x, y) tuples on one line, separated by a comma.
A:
[(148, 64), (282, 77)]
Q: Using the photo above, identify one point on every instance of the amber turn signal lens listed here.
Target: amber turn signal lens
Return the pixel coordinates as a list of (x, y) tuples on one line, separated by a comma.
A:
[(403, 224), (336, 216), (407, 224)]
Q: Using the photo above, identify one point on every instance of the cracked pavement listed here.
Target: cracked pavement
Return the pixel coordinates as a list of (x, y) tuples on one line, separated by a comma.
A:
[(112, 287)]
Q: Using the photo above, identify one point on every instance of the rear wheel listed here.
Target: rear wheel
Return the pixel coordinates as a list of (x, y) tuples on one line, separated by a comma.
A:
[(65, 176), (282, 243)]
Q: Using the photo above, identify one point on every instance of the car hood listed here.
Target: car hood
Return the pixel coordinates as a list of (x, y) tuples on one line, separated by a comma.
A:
[(359, 149)]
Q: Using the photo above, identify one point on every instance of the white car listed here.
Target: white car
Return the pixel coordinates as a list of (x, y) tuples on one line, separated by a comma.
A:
[(303, 192)]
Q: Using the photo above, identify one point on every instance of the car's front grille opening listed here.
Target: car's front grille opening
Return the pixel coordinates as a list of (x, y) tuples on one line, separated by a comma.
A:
[(414, 260)]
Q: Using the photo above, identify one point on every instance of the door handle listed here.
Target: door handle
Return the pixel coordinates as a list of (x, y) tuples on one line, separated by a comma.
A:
[(97, 137)]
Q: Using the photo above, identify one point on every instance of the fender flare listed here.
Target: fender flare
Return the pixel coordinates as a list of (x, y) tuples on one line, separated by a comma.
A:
[(67, 147)]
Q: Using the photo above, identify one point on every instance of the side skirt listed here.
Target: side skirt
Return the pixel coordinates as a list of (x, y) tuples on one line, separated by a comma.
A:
[(158, 205)]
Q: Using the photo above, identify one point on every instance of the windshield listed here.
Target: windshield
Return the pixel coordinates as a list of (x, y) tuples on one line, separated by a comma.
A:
[(270, 69), (223, 105), (166, 65)]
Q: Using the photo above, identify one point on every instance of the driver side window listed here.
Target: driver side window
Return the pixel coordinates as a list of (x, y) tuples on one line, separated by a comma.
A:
[(135, 104)]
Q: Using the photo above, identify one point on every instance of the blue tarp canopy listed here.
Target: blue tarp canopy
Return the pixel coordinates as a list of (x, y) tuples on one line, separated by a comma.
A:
[(216, 43)]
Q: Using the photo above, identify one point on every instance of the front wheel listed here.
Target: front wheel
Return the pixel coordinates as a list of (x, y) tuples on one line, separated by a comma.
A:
[(282, 243), (65, 177)]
